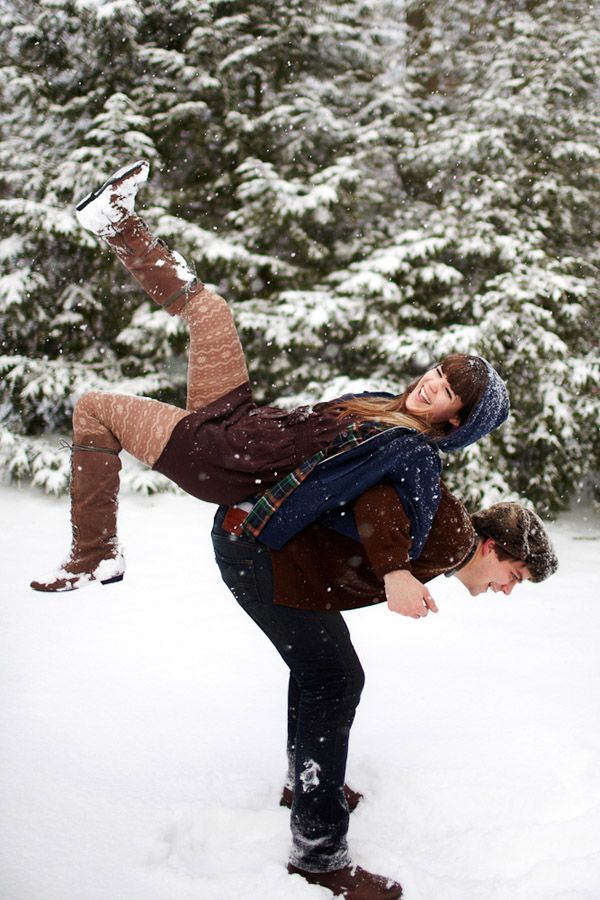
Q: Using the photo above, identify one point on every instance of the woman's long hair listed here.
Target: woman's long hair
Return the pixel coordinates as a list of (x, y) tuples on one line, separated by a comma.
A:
[(467, 376)]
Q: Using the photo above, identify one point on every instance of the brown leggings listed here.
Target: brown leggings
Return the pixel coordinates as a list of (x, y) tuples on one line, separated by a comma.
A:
[(216, 365)]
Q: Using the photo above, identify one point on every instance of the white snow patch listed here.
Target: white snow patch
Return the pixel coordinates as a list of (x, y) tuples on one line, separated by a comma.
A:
[(182, 269), (310, 775), (143, 728)]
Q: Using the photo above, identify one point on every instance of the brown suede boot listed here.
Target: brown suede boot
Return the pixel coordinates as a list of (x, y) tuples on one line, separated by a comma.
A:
[(353, 798), (95, 554), (353, 883), (164, 274), (109, 213)]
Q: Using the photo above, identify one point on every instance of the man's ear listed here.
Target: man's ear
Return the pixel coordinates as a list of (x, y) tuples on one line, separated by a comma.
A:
[(488, 546)]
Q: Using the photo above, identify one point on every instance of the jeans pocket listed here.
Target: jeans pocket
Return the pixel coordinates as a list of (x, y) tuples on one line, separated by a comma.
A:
[(236, 571), (240, 578)]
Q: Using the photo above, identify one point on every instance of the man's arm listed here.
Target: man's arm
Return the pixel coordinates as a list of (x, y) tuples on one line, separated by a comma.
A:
[(384, 530)]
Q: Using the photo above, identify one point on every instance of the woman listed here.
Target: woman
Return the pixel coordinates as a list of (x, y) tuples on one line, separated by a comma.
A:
[(223, 448)]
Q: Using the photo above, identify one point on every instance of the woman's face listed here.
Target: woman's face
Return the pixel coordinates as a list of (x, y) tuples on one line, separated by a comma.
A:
[(433, 399)]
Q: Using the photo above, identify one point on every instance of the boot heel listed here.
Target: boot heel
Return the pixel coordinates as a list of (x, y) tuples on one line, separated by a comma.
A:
[(113, 580)]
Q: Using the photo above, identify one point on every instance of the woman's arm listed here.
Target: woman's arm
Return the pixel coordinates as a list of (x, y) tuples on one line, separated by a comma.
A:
[(384, 530)]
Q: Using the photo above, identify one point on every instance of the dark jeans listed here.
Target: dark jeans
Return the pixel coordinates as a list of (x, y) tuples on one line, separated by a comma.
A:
[(326, 680)]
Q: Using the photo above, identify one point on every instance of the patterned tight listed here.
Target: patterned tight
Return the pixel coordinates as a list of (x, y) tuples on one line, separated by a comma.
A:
[(142, 426)]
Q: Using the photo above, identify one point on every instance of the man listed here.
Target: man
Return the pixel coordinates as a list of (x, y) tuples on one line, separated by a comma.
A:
[(295, 594)]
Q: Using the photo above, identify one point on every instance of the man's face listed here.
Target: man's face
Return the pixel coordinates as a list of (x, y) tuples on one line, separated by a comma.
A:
[(486, 572), (434, 399)]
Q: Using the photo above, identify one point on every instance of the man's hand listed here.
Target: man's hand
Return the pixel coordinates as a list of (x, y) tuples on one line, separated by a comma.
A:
[(407, 595)]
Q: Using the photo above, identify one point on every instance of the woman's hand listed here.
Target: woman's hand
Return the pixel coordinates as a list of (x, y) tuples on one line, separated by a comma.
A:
[(407, 595)]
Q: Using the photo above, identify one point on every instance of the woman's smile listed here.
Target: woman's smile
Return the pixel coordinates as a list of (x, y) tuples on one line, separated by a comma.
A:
[(434, 398)]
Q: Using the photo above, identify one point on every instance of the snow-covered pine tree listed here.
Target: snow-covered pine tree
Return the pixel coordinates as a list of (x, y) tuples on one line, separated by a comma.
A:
[(375, 184), (67, 116), (508, 165), (505, 174), (215, 95), (487, 134)]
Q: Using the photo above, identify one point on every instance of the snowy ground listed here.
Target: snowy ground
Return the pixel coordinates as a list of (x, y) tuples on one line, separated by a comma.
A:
[(142, 728)]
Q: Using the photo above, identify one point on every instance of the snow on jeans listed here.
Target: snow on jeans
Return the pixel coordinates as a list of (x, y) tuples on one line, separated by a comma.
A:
[(326, 680)]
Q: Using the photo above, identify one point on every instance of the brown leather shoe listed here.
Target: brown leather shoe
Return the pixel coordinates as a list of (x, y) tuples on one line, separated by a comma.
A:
[(353, 883), (353, 798)]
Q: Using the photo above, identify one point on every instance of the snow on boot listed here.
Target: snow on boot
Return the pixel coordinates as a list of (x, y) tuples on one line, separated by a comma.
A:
[(353, 883), (105, 209), (164, 274), (109, 213), (95, 553)]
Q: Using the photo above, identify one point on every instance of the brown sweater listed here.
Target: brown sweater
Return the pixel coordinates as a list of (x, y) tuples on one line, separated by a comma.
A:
[(320, 569)]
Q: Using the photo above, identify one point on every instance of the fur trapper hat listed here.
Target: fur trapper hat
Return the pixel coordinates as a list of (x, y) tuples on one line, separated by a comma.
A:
[(521, 534)]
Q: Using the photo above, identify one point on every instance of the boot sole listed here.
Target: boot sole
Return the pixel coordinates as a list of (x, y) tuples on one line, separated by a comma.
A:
[(113, 580), (42, 588), (118, 176)]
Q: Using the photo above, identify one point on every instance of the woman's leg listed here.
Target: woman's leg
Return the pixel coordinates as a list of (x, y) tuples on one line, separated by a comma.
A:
[(137, 424), (216, 362), (95, 554), (216, 359), (103, 424)]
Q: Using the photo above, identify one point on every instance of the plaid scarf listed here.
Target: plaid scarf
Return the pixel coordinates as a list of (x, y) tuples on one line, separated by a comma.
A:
[(269, 502)]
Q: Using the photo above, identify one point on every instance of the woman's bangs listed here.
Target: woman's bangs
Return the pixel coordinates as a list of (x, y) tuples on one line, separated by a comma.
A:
[(467, 376)]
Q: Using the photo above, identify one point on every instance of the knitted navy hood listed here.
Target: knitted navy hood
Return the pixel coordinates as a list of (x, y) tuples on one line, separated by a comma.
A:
[(491, 411)]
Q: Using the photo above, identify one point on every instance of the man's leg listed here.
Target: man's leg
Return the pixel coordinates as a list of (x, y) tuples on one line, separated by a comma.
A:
[(353, 797), (318, 650), (330, 681)]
